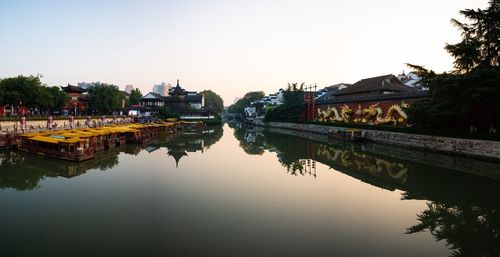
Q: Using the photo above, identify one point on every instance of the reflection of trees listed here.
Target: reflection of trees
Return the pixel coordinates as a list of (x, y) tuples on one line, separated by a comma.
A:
[(25, 171), (301, 167), (13, 177), (254, 147), (468, 230), (463, 209), (212, 138), (349, 158)]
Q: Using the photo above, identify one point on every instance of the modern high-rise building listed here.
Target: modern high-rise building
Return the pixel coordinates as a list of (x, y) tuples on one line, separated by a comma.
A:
[(162, 89), (129, 88), (85, 85)]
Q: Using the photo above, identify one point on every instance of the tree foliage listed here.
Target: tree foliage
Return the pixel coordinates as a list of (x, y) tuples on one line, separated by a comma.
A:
[(135, 97), (165, 113), (292, 107), (105, 98), (30, 92), (469, 95), (213, 101), (239, 106)]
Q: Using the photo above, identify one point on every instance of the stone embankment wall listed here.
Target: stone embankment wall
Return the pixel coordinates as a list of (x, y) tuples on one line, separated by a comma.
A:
[(40, 125), (470, 147)]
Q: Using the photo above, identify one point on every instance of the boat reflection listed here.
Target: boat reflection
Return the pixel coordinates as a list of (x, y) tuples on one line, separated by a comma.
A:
[(23, 171), (463, 208)]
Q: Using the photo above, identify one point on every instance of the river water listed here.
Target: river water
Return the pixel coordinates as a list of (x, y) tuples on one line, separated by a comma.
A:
[(240, 192)]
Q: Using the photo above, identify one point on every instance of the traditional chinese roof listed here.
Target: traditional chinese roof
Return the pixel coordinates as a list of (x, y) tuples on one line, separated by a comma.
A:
[(73, 89), (375, 86), (178, 90)]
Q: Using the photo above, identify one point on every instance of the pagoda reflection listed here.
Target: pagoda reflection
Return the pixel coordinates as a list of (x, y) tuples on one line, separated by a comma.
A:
[(22, 171)]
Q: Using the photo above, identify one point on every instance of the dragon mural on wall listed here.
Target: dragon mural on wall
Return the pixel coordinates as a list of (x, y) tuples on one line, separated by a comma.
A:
[(332, 114), (376, 166), (371, 115)]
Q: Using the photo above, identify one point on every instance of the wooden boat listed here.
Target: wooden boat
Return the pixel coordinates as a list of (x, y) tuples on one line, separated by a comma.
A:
[(352, 135), (57, 146), (82, 144)]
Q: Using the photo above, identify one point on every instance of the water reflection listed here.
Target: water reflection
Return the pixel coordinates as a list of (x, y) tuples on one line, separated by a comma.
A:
[(136, 203), (463, 208), (468, 230), (23, 171)]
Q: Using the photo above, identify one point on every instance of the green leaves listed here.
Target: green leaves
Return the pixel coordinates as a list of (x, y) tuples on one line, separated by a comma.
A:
[(105, 98), (469, 95), (165, 113), (135, 97), (240, 105), (213, 101), (31, 93)]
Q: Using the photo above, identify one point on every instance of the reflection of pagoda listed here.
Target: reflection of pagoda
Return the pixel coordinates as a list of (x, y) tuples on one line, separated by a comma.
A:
[(177, 154), (181, 146)]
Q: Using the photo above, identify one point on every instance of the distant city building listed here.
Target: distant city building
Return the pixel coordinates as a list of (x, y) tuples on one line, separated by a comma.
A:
[(86, 85), (162, 89), (129, 88)]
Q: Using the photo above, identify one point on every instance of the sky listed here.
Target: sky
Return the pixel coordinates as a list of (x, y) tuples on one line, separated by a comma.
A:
[(230, 47)]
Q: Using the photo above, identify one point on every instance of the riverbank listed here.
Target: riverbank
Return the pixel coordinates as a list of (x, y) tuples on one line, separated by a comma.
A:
[(39, 124), (484, 149), (418, 158)]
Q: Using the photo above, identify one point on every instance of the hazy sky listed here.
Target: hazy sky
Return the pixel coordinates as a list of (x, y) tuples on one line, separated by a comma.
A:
[(231, 47)]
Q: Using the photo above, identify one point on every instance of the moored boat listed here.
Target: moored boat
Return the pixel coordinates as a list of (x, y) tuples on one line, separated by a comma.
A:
[(57, 146)]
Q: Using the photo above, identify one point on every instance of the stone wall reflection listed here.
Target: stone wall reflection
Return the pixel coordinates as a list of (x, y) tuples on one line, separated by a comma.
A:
[(463, 207)]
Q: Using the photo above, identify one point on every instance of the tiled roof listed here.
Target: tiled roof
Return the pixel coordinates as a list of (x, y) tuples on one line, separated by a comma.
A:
[(375, 85), (73, 89)]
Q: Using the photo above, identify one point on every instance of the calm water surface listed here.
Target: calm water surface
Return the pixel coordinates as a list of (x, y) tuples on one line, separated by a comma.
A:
[(240, 192)]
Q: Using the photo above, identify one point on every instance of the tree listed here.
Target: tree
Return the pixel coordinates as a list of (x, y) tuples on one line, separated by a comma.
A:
[(20, 90), (105, 98), (165, 113), (213, 101), (468, 95), (239, 106), (135, 97), (31, 93), (292, 107)]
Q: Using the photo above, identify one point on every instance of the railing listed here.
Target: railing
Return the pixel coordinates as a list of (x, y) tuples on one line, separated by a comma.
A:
[(16, 129)]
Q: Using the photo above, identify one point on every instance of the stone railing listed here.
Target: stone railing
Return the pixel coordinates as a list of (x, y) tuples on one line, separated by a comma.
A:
[(14, 126)]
